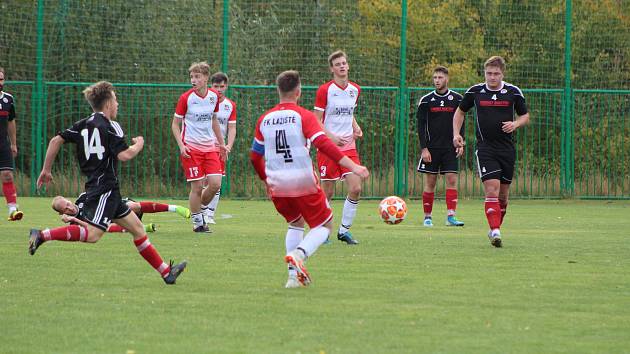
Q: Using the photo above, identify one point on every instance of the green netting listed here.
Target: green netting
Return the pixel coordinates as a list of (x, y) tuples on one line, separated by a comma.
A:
[(576, 144)]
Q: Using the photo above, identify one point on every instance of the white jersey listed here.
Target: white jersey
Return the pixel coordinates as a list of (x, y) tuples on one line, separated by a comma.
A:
[(338, 105), (196, 112), (226, 115), (284, 131)]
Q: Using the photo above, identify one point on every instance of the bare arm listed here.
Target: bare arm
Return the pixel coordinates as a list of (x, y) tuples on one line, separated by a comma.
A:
[(71, 219), (458, 120), (177, 133), (520, 121), (231, 135), (356, 129), (133, 150), (11, 129), (45, 177), (335, 139)]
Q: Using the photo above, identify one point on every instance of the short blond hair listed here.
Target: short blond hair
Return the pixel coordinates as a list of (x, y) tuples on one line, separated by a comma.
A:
[(496, 61), (54, 202), (99, 94), (201, 67)]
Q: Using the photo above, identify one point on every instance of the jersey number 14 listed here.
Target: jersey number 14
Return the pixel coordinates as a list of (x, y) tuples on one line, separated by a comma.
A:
[(92, 145)]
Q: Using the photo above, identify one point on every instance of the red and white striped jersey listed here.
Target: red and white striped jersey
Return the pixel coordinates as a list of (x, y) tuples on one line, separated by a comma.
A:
[(196, 112), (226, 115), (284, 131), (338, 105)]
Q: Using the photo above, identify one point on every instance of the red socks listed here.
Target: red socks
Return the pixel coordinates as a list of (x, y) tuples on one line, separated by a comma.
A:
[(8, 188), (493, 212), (503, 205), (70, 233), (150, 207), (115, 228), (427, 203), (451, 201), (151, 255)]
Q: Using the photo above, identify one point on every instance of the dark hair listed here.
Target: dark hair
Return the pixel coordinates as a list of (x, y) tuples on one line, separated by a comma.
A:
[(288, 81), (218, 78), (441, 69), (495, 61), (335, 55), (99, 94)]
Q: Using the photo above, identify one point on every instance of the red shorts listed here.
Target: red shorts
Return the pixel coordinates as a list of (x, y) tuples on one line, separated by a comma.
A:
[(330, 170), (313, 207), (222, 166), (201, 164)]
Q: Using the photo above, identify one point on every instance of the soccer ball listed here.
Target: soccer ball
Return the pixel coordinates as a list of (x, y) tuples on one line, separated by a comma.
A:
[(393, 210)]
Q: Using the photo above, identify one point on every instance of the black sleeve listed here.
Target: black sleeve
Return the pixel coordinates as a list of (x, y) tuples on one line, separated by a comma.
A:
[(519, 105), (11, 113), (116, 137), (467, 102), (421, 117), (72, 134)]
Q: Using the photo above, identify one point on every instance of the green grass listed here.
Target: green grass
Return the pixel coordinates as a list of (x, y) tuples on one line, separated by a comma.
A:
[(561, 284)]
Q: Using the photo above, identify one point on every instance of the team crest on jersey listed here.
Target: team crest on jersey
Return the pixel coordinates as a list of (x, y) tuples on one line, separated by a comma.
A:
[(5, 100), (503, 91), (351, 93), (450, 97), (226, 107)]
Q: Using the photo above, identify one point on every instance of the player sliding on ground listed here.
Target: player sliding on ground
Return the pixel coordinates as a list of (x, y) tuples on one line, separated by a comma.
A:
[(281, 159), (100, 144), (71, 212)]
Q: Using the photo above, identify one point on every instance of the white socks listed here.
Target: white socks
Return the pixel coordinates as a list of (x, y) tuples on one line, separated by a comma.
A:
[(314, 239), (292, 240), (349, 212)]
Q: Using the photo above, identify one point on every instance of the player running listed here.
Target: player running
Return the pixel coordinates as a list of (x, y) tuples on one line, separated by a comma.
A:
[(281, 159), (100, 145), (8, 150), (71, 211), (496, 102), (335, 102), (200, 142), (227, 120), (435, 129)]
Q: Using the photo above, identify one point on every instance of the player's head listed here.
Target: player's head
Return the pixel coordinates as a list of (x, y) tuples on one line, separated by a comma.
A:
[(440, 78), (494, 68), (289, 86), (219, 82), (64, 206), (1, 78), (199, 74), (338, 63), (102, 98)]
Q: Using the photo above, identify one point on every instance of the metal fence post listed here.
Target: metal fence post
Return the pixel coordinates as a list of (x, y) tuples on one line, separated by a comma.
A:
[(225, 185), (402, 149), (567, 183), (38, 97)]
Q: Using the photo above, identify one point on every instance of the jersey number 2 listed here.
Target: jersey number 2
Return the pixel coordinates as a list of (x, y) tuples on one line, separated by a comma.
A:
[(92, 145), (282, 147)]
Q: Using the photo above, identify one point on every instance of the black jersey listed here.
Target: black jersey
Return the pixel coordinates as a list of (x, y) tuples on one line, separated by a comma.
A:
[(7, 114), (493, 107), (435, 119), (98, 141)]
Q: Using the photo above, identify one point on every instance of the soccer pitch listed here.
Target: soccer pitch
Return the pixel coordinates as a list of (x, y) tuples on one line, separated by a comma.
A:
[(560, 284)]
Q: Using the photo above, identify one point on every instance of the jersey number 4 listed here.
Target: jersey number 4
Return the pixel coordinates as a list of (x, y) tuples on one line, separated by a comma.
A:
[(92, 145), (282, 147)]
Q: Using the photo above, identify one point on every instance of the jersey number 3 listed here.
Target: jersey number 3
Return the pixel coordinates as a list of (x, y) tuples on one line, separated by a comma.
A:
[(92, 145)]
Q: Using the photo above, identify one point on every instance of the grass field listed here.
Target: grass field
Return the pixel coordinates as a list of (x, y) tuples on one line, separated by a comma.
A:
[(561, 284)]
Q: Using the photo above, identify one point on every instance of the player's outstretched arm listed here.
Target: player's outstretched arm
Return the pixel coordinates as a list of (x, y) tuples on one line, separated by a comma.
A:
[(358, 170), (458, 121), (133, 150), (45, 177)]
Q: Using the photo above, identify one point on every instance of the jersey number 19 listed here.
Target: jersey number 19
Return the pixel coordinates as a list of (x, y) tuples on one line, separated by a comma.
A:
[(92, 145)]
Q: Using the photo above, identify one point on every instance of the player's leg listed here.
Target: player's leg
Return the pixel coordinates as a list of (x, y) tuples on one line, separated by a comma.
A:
[(212, 206), (504, 194), (130, 222), (8, 187), (155, 207), (428, 195), (490, 173), (213, 187), (350, 206), (194, 199), (451, 200), (507, 159), (295, 235), (113, 227)]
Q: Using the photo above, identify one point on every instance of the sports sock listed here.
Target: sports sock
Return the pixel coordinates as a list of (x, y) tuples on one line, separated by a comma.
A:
[(71, 233), (347, 217), (427, 203), (313, 239), (115, 228), (151, 255), (197, 219), (504, 205), (151, 207), (8, 188), (294, 236), (451, 201), (493, 212), (212, 207)]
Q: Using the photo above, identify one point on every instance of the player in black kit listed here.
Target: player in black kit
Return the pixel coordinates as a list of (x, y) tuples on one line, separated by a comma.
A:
[(8, 150), (435, 131), (100, 143), (496, 103)]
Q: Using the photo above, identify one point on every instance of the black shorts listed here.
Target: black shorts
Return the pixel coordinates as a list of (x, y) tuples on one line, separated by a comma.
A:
[(495, 163), (126, 200), (6, 159), (443, 160), (101, 207)]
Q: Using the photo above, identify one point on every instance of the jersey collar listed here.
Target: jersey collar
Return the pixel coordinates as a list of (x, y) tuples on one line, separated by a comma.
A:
[(444, 95), (499, 89)]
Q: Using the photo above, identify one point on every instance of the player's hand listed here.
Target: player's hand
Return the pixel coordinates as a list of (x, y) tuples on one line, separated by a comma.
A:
[(14, 150), (357, 133), (66, 218), (458, 141), (184, 151), (509, 127), (459, 151), (426, 155), (45, 177), (361, 171), (138, 141)]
